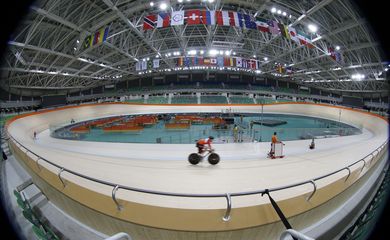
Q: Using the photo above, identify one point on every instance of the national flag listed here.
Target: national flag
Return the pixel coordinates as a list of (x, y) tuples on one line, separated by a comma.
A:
[(220, 61), (99, 35), (213, 61), (244, 63), (232, 62), (193, 17), (195, 61), (262, 25), (284, 31), (138, 66), (289, 70), (332, 53), (293, 34), (200, 61), (208, 17), (163, 20), (252, 64), (222, 18), (187, 62), (305, 39), (226, 62), (156, 63), (339, 57), (177, 18), (273, 27), (235, 19), (150, 64), (96, 38), (240, 20), (180, 61), (105, 34), (249, 22), (143, 65), (238, 62), (279, 68), (335, 54), (206, 61), (257, 64), (150, 22), (88, 41)]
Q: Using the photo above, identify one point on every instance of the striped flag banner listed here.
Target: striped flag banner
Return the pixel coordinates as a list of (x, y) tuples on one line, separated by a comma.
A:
[(226, 62), (222, 18), (284, 31), (149, 22), (293, 35), (262, 25), (88, 41), (220, 61), (143, 65), (273, 27), (156, 63), (305, 39), (163, 20), (138, 66), (208, 17), (235, 19)]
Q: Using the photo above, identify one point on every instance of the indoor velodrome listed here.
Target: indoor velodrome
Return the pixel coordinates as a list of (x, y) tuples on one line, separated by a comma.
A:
[(194, 120)]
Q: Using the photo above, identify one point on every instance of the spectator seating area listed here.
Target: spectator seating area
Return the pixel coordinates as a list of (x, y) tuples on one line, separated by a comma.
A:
[(184, 100), (40, 228), (140, 100), (213, 99), (157, 100), (241, 100), (264, 100)]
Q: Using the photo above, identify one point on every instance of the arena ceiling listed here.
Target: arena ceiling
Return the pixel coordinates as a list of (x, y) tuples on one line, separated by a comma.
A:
[(48, 50)]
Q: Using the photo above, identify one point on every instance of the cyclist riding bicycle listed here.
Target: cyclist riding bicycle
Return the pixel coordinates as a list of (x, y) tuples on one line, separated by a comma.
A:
[(200, 144)]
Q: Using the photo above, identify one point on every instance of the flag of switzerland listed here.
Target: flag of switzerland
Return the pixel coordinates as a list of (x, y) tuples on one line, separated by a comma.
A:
[(193, 17)]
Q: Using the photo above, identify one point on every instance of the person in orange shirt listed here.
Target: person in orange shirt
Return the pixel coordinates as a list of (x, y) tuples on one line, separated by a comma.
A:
[(274, 138), (273, 141), (200, 144)]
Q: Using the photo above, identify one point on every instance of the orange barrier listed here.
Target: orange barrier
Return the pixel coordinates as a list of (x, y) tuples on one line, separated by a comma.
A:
[(177, 125), (187, 118), (143, 120), (198, 120), (80, 129), (123, 128), (102, 122), (213, 120)]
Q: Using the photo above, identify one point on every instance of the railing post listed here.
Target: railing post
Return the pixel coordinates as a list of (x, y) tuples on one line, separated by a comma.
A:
[(118, 206), (314, 191), (349, 173), (59, 176), (39, 167), (226, 218), (364, 164), (372, 158)]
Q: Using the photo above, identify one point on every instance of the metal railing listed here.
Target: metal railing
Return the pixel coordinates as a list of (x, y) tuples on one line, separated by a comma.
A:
[(119, 236), (228, 196), (295, 234)]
